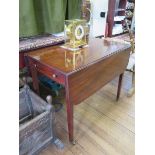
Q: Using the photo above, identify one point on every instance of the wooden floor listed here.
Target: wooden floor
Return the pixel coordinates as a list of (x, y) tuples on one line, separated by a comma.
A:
[(102, 125)]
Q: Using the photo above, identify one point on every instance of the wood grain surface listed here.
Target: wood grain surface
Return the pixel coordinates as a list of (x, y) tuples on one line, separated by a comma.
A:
[(85, 82)]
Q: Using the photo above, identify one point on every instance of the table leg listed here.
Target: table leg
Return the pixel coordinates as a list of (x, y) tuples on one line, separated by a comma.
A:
[(35, 78), (119, 86), (69, 107)]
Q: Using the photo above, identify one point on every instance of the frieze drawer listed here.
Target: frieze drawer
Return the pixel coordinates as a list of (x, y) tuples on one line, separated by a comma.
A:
[(51, 73)]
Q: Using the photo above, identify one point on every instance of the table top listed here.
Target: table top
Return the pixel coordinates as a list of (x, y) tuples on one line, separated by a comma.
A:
[(68, 61)]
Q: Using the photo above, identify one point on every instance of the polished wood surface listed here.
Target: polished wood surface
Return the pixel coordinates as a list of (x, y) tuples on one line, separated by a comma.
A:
[(82, 72), (119, 86), (97, 50), (96, 76)]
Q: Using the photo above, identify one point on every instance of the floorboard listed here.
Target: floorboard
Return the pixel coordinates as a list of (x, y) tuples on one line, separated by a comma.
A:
[(103, 126)]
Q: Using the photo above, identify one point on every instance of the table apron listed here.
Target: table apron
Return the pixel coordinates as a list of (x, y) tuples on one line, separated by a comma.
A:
[(47, 71)]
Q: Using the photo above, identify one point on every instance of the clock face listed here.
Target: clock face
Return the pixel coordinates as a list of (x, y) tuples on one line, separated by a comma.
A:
[(79, 32)]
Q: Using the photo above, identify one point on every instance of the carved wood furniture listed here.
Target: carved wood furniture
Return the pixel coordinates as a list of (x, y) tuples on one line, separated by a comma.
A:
[(35, 123), (99, 63)]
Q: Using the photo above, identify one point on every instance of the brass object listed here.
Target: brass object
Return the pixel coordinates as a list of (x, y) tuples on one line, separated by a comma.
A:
[(54, 76), (74, 59), (75, 33)]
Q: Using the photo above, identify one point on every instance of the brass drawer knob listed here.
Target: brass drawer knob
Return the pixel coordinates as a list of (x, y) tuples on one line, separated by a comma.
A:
[(54, 76)]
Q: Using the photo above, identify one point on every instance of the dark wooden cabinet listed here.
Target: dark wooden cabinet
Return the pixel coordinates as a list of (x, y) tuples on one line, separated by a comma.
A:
[(116, 14), (119, 10)]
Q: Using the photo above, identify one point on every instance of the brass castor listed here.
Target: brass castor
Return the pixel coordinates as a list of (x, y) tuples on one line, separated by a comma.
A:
[(74, 142)]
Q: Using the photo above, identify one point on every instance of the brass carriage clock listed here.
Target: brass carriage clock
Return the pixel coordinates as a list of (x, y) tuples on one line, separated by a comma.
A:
[(76, 32)]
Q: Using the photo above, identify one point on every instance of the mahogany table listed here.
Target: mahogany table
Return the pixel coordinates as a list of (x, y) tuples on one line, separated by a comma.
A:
[(81, 72)]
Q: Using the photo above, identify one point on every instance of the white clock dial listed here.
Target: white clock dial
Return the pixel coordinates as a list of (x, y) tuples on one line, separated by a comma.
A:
[(79, 32)]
